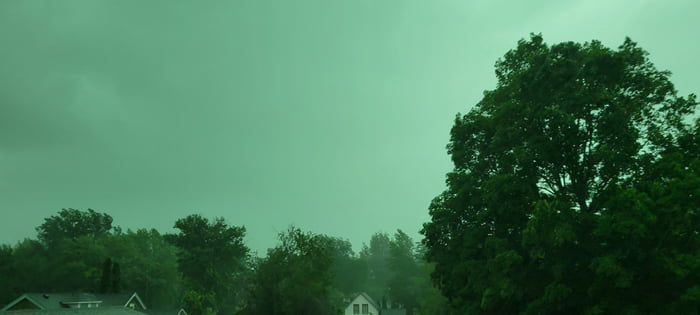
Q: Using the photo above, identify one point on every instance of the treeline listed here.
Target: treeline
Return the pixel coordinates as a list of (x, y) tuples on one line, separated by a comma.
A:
[(206, 267)]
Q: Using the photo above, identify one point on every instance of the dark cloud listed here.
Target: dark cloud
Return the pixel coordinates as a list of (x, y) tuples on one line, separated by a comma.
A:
[(331, 115)]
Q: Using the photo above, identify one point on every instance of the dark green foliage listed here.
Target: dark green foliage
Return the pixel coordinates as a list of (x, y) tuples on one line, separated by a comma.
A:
[(403, 287), (398, 276), (116, 285), (106, 279), (574, 189), (110, 281), (196, 302), (148, 265), (429, 299), (349, 271), (295, 277), (30, 266), (377, 257), (8, 273), (85, 263), (76, 264), (210, 257), (305, 274), (73, 223)]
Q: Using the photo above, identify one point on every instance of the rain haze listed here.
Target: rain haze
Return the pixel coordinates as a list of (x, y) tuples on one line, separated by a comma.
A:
[(331, 116)]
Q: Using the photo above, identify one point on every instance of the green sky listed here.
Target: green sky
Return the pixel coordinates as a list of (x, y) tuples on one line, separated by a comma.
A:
[(329, 115)]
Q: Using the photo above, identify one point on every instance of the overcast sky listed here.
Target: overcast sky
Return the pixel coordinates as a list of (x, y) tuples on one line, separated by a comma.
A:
[(329, 115)]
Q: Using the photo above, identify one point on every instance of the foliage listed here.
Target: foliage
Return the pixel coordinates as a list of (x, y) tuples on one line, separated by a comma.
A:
[(148, 265), (110, 279), (198, 303), (205, 268), (429, 299), (402, 284), (106, 278), (572, 190), (295, 277), (350, 272), (377, 257), (210, 256), (76, 264), (7, 270), (73, 223)]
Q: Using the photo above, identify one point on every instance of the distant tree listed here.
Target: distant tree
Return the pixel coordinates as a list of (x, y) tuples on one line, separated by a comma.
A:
[(377, 257), (9, 274), (196, 302), (86, 262), (106, 278), (115, 286), (211, 254), (350, 272), (75, 264), (148, 265), (295, 278), (574, 189), (403, 284), (73, 223), (429, 299), (30, 263)]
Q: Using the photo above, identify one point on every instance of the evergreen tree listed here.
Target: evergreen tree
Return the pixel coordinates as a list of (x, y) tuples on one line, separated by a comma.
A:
[(106, 279)]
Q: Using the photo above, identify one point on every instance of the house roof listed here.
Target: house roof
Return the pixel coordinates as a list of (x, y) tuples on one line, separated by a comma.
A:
[(78, 311), (179, 311), (366, 296), (122, 300), (51, 301)]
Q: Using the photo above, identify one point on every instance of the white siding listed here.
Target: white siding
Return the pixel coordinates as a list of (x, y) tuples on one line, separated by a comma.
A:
[(360, 300)]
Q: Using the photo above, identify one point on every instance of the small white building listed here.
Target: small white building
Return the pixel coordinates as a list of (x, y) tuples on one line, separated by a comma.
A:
[(362, 304)]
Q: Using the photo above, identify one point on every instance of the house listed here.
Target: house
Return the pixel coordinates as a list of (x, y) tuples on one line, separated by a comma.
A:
[(362, 303), (82, 311), (61, 301), (180, 311)]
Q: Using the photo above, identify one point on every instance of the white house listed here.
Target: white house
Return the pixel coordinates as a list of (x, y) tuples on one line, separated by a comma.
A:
[(362, 304)]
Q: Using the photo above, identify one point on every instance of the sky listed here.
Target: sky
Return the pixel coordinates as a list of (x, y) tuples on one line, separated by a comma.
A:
[(332, 116)]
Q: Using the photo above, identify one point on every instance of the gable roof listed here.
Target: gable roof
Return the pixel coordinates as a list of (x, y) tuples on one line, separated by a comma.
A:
[(122, 300), (54, 301), (367, 297), (41, 301), (78, 311), (180, 311)]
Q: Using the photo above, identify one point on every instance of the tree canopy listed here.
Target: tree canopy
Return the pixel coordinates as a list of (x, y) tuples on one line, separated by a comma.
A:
[(205, 268), (73, 223), (574, 189), (295, 277), (210, 257)]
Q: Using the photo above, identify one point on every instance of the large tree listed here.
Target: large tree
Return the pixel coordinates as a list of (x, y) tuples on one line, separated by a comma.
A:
[(211, 256), (572, 190), (9, 274), (148, 265), (377, 256), (73, 223), (402, 285), (296, 277)]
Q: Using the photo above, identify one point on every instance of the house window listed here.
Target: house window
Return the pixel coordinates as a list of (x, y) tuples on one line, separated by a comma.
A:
[(365, 309), (356, 308)]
